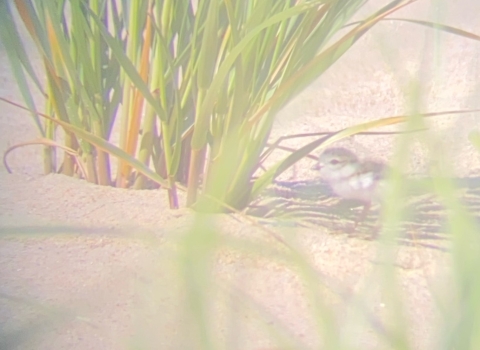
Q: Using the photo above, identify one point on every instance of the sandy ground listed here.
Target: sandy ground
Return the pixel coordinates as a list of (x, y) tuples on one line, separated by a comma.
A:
[(90, 267)]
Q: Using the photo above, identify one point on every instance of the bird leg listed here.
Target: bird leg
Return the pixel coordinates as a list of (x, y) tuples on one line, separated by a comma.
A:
[(361, 217)]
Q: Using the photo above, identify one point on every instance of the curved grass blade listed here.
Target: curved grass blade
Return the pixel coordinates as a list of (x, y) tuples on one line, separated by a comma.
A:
[(18, 60), (438, 26), (201, 129), (103, 145), (264, 180), (45, 142), (324, 60)]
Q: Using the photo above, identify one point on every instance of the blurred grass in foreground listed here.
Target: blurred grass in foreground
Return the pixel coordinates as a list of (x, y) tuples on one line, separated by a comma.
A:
[(215, 288), (180, 108)]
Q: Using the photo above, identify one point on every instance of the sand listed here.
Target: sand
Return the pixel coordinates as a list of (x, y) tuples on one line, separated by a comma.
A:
[(91, 267)]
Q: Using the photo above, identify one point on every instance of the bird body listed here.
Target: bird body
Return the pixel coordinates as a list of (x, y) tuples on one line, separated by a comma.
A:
[(348, 177)]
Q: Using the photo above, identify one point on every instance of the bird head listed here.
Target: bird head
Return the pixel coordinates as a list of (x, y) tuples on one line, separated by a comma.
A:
[(336, 163)]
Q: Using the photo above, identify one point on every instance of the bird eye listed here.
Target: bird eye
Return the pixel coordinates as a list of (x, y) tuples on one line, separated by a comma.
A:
[(334, 161)]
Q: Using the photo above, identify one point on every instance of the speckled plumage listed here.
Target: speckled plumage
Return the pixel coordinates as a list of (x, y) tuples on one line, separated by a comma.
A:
[(349, 177)]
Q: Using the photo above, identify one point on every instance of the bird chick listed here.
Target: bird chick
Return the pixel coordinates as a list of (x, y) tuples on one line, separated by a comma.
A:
[(350, 178)]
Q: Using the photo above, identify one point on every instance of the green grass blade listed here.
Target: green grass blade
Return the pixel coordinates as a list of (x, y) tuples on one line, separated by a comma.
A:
[(206, 108), (127, 65), (265, 179), (438, 26), (103, 145), (18, 60)]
